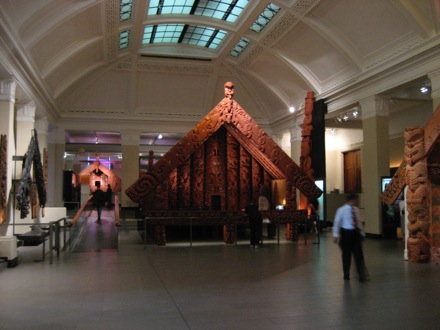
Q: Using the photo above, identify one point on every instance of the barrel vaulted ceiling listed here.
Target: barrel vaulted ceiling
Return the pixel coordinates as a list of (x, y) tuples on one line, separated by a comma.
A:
[(146, 66)]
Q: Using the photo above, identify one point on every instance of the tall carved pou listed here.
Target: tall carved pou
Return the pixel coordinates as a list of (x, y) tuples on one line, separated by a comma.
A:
[(417, 195)]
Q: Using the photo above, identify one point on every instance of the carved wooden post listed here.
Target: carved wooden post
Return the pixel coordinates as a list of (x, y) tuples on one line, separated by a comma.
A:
[(160, 236), (417, 195)]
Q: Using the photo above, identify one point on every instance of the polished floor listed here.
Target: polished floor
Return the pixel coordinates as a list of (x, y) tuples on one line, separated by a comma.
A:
[(211, 285)]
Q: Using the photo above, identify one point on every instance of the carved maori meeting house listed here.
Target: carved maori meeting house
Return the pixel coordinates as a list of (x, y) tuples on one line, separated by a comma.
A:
[(420, 172), (210, 175)]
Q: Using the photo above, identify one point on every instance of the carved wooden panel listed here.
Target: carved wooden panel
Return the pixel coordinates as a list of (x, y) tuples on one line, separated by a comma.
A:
[(435, 223), (245, 178), (172, 190), (184, 185), (198, 173), (230, 115), (233, 181), (396, 185), (417, 195)]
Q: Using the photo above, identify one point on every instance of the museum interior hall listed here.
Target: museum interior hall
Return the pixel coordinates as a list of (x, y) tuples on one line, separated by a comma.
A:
[(134, 134)]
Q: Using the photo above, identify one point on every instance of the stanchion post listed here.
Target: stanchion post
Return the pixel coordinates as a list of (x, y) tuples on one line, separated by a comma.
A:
[(145, 233), (50, 243), (64, 233), (190, 232)]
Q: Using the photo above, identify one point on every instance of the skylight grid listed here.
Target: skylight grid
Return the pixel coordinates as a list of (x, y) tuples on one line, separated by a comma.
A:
[(126, 9), (124, 38), (203, 36), (239, 47), (227, 10), (158, 7), (265, 17)]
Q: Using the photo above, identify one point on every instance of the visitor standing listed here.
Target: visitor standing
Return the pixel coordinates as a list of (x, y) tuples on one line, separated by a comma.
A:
[(348, 232), (98, 200), (255, 224)]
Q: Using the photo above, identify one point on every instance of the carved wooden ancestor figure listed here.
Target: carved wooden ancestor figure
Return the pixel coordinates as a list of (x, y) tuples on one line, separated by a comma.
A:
[(3, 176), (417, 196)]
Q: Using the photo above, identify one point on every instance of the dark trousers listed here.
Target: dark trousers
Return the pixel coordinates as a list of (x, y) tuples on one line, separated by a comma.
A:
[(256, 228), (351, 245), (99, 210)]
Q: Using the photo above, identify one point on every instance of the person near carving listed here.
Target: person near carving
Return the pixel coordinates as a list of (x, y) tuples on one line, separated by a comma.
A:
[(255, 224), (348, 232), (108, 196), (98, 200), (314, 215)]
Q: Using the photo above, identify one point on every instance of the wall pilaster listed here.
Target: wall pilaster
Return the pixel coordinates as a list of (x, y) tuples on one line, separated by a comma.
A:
[(375, 159), (435, 88)]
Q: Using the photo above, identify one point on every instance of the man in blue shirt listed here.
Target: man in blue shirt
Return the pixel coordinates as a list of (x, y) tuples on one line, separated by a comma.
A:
[(348, 232)]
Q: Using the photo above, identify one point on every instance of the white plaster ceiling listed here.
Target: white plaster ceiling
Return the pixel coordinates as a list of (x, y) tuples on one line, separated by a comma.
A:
[(64, 55)]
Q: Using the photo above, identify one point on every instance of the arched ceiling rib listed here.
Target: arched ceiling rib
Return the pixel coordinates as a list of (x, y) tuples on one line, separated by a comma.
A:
[(64, 49)]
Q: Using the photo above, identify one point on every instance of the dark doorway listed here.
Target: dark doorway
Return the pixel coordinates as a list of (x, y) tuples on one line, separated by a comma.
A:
[(216, 202)]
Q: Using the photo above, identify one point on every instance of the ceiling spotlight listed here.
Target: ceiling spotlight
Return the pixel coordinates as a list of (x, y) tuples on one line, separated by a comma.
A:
[(292, 109), (345, 117), (355, 113), (159, 136), (424, 90)]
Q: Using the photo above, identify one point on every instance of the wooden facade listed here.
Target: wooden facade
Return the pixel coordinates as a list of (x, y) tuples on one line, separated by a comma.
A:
[(220, 165)]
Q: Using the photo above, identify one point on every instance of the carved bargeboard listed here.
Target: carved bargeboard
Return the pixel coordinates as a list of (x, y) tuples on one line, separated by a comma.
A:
[(229, 114)]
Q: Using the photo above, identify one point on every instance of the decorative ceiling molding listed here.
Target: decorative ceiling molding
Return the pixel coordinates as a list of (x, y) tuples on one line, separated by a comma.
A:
[(112, 22), (175, 68), (392, 54)]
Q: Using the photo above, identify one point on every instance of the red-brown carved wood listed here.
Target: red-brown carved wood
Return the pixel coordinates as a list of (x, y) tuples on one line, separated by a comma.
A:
[(417, 195), (227, 111), (219, 165), (420, 171)]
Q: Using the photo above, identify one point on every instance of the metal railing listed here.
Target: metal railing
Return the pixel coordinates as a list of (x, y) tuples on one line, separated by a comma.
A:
[(53, 230)]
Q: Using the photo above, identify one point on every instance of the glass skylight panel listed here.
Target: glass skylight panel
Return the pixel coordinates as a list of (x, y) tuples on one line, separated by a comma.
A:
[(239, 47), (158, 7), (227, 10), (265, 17), (125, 10), (169, 33), (202, 36), (124, 38)]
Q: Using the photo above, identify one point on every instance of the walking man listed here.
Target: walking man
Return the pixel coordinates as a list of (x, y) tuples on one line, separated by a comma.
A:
[(348, 232)]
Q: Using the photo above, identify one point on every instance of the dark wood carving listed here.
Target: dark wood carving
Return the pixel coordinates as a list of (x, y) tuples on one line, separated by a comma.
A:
[(245, 177), (198, 172), (219, 165), (227, 111), (417, 195), (306, 146), (420, 172), (3, 176), (233, 174), (396, 185)]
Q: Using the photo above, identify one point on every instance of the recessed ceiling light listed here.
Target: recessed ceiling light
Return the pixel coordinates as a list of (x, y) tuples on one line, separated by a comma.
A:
[(424, 89)]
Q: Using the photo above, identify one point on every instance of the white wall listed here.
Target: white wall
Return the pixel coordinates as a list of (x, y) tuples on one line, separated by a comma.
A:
[(336, 142)]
